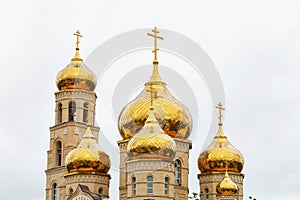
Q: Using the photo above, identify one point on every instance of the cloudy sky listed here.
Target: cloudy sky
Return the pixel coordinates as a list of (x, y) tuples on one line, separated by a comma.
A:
[(253, 44)]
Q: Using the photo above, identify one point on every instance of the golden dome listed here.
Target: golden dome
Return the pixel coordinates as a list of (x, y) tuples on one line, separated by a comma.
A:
[(220, 155), (88, 157), (151, 142), (76, 75), (227, 186), (173, 116)]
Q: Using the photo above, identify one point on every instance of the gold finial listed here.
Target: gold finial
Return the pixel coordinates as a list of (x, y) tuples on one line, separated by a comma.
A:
[(220, 107), (155, 35), (77, 55), (77, 34)]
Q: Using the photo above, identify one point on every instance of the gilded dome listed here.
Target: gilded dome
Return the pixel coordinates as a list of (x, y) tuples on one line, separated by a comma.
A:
[(88, 157), (76, 76), (220, 155), (151, 142), (174, 118), (227, 186)]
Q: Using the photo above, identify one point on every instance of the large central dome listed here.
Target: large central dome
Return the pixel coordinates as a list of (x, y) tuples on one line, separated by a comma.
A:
[(174, 118)]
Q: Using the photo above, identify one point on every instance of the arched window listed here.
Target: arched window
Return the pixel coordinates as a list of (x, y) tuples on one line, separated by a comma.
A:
[(206, 193), (100, 192), (85, 112), (58, 153), (133, 186), (70, 191), (54, 192), (72, 111), (177, 172), (166, 186), (149, 185), (59, 113)]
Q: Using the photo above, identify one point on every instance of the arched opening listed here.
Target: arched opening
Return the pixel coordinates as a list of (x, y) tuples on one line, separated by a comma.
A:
[(150, 185), (133, 186), (72, 111), (100, 192), (206, 193), (54, 192), (70, 191), (177, 172), (58, 153), (85, 112), (166, 186), (59, 113)]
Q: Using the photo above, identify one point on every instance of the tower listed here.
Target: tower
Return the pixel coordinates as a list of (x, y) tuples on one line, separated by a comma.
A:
[(76, 84), (220, 158), (172, 116), (150, 167)]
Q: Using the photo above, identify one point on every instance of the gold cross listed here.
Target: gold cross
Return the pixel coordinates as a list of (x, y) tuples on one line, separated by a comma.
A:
[(220, 107), (155, 35), (77, 34), (151, 93)]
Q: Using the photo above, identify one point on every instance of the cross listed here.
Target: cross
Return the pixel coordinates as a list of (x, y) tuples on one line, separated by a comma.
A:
[(151, 93), (220, 108), (155, 35), (77, 34)]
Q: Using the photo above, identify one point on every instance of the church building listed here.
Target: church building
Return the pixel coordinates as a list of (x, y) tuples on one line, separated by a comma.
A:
[(154, 149)]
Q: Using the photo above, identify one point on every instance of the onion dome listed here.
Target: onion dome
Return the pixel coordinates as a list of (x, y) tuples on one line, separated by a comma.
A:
[(76, 75), (151, 142), (227, 186), (174, 118), (88, 157), (220, 155)]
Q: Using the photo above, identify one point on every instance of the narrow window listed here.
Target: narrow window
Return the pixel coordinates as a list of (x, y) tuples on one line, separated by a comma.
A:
[(177, 172), (59, 113), (100, 192), (58, 153), (149, 185), (72, 111), (206, 194), (85, 112), (54, 192), (133, 186), (70, 191), (166, 187)]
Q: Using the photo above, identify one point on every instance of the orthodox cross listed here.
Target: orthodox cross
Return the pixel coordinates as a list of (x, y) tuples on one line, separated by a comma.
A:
[(77, 34), (155, 35), (152, 93), (220, 108)]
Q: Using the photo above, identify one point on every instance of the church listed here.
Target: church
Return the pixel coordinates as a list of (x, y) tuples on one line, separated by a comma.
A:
[(154, 150)]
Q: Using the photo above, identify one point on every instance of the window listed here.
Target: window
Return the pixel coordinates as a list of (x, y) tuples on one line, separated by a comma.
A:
[(70, 190), (85, 112), (133, 186), (100, 192), (54, 192), (72, 111), (149, 185), (58, 153), (166, 186), (206, 193), (177, 172), (59, 113)]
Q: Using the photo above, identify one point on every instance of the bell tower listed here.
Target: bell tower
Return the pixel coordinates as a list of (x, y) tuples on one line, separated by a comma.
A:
[(76, 84)]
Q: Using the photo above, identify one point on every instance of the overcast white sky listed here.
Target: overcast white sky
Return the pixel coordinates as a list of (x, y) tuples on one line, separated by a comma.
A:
[(254, 45)]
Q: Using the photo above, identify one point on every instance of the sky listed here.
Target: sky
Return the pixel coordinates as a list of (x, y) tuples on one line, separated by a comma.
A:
[(253, 44)]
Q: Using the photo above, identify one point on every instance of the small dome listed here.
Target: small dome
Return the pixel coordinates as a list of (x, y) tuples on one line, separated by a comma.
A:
[(151, 142), (227, 186), (220, 155), (88, 157), (174, 118), (76, 76)]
